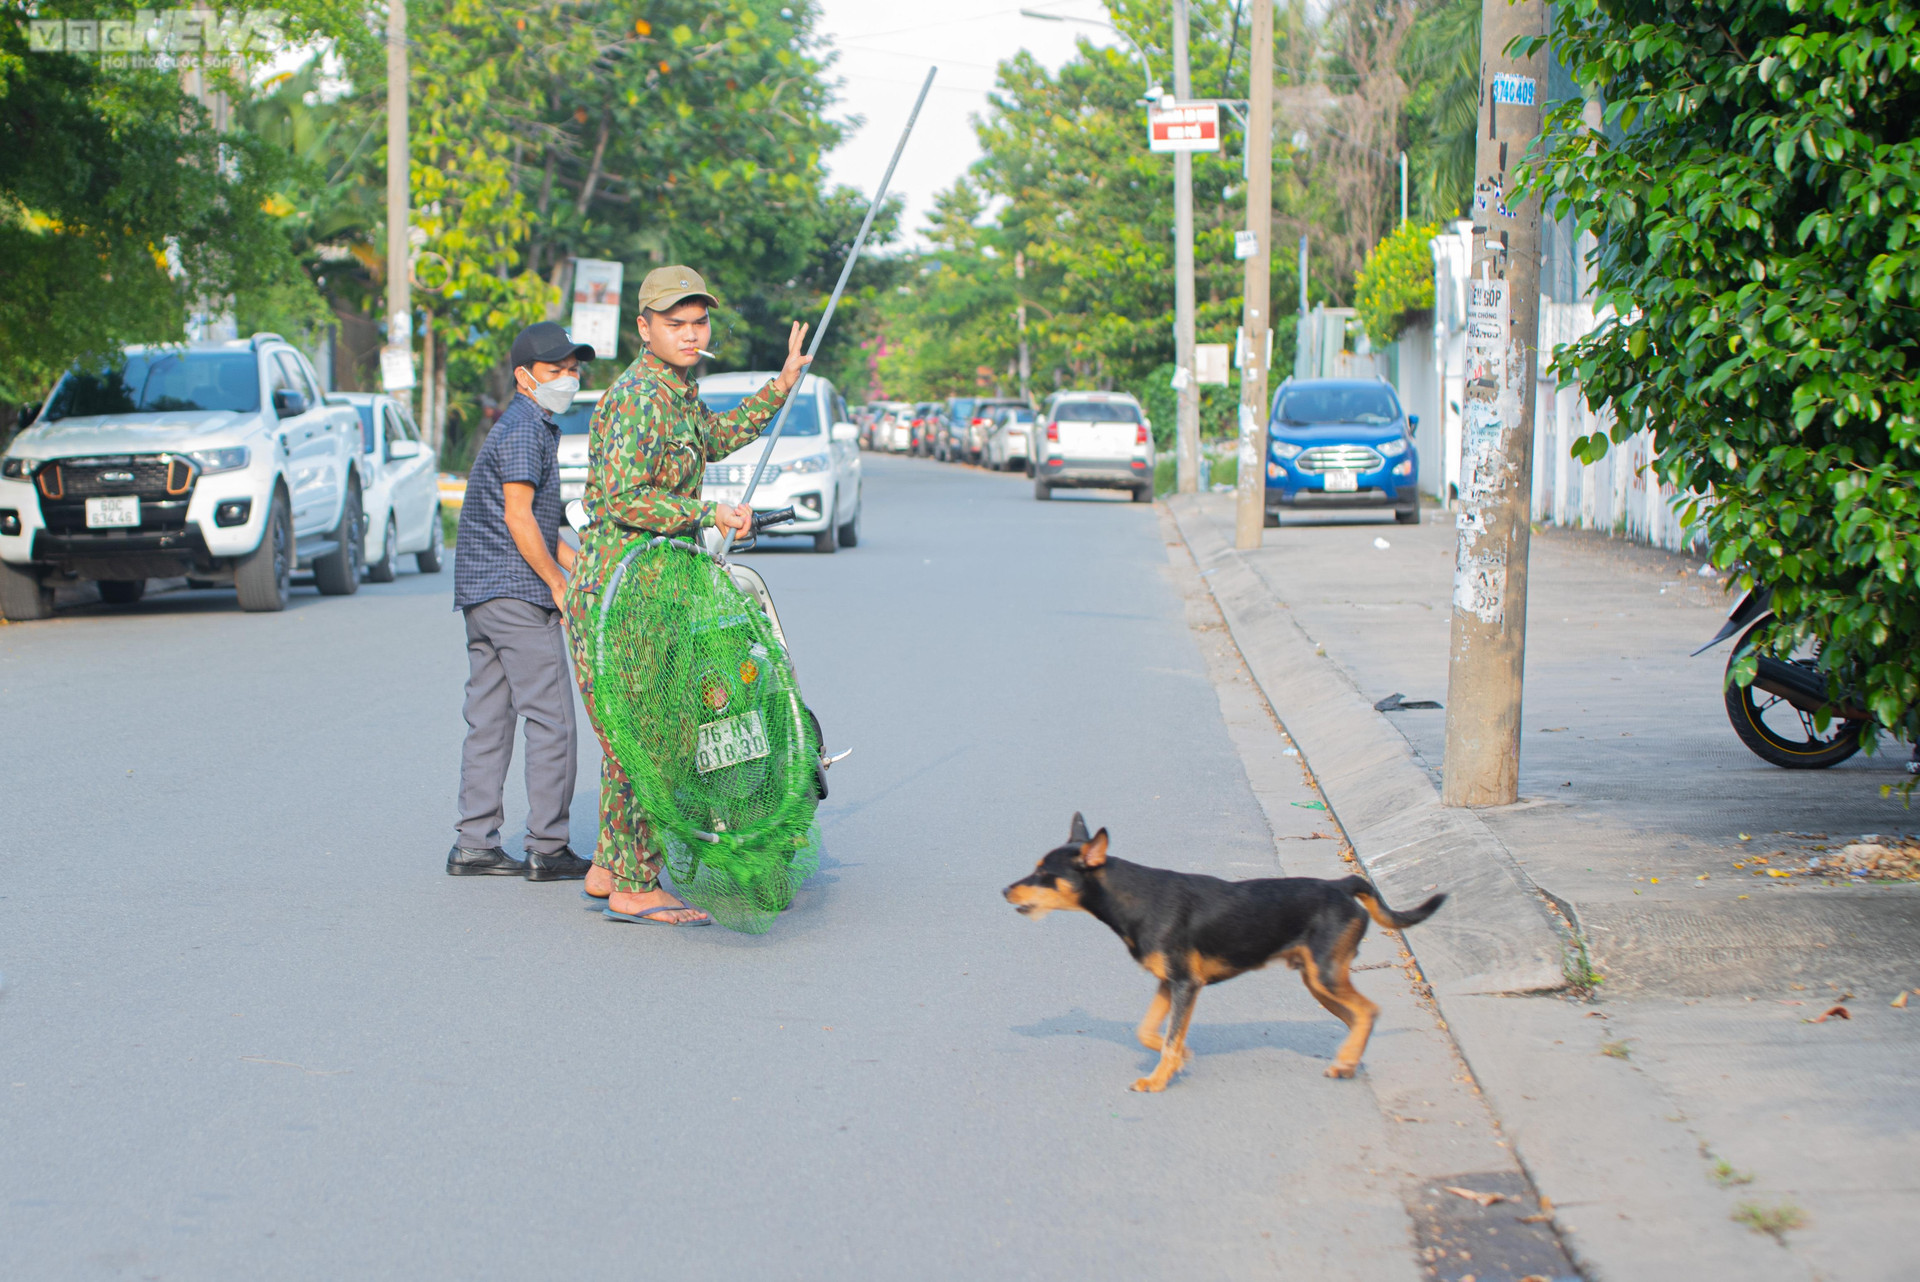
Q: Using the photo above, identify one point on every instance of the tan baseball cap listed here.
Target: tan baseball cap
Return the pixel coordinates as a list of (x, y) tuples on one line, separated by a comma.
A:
[(667, 287)]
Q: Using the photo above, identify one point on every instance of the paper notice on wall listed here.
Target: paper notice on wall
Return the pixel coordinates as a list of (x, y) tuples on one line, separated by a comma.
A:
[(596, 305)]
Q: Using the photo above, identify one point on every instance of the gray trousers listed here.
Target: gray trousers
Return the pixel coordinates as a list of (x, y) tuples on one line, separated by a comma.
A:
[(518, 657)]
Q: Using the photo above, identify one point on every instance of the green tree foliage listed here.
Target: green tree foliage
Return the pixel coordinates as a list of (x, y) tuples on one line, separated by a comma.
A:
[(1441, 65), (1067, 186), (1756, 216), (122, 207), (641, 131), (1397, 279)]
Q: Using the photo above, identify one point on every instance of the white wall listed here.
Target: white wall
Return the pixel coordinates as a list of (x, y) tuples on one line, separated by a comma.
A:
[(1617, 495)]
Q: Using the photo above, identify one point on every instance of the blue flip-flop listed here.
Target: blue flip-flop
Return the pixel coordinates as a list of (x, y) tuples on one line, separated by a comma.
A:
[(646, 917), (598, 901)]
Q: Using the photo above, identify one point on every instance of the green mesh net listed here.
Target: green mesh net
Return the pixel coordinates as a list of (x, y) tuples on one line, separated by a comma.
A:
[(696, 695)]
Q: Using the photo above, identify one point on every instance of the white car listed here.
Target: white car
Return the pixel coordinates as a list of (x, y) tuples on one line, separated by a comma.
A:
[(1093, 440), (894, 429), (222, 462), (815, 466), (1010, 439), (402, 487), (573, 444)]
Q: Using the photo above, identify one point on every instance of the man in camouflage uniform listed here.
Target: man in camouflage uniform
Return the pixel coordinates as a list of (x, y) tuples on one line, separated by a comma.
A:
[(648, 446)]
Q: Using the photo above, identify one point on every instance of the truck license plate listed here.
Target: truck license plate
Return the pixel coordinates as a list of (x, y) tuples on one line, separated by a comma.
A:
[(117, 512), (730, 742), (1343, 482)]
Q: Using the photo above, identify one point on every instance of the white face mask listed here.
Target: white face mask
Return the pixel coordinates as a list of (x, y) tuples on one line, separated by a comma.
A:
[(556, 395)]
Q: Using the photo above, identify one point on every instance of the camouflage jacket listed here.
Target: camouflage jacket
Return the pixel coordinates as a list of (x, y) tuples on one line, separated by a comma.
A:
[(648, 446)]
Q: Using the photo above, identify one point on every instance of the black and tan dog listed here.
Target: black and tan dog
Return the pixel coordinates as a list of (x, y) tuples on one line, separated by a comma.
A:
[(1189, 931)]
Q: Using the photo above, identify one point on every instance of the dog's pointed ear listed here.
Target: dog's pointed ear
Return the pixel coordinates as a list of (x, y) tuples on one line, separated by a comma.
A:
[(1094, 852), (1078, 832)]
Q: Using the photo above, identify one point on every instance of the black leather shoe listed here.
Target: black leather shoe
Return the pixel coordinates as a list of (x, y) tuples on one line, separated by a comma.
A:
[(462, 862), (560, 865)]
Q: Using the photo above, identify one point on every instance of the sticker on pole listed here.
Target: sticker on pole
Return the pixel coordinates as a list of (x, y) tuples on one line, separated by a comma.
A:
[(1486, 319), (1515, 91), (396, 369), (1246, 244), (1187, 126)]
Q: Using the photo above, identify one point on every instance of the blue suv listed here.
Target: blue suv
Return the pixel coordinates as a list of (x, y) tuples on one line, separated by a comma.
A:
[(1343, 443)]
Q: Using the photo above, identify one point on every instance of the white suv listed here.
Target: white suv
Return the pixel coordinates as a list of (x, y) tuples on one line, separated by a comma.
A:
[(222, 462), (1093, 440), (815, 467)]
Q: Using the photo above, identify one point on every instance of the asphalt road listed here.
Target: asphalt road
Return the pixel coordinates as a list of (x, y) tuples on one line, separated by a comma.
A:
[(250, 1029)]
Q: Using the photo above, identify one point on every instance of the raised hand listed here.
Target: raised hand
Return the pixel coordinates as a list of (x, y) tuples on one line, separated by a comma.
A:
[(797, 359)]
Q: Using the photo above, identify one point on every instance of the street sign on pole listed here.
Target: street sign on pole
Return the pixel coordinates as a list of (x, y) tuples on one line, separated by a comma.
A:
[(596, 305), (1210, 363), (1488, 648), (1185, 126)]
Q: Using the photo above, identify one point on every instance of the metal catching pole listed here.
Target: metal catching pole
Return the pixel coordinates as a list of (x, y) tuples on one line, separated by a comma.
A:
[(813, 348)]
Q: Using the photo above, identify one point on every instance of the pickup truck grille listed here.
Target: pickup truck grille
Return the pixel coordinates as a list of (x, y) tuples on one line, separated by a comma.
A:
[(1341, 458), (163, 484), (149, 476)]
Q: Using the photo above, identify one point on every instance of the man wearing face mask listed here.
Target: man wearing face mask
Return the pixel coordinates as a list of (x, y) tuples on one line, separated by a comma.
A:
[(509, 579)]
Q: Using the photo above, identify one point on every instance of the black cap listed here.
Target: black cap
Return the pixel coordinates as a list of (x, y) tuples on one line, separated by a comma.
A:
[(547, 341)]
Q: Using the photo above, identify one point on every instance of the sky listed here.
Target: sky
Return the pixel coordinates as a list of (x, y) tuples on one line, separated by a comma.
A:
[(885, 48)]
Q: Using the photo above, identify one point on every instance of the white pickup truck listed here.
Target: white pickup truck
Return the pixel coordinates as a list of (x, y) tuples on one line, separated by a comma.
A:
[(222, 462)]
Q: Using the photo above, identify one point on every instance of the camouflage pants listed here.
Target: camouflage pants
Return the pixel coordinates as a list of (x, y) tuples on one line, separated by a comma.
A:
[(626, 847)]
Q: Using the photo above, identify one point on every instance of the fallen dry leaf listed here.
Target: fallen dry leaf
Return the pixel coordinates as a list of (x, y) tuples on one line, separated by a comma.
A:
[(1484, 1199), (1787, 1001), (1541, 1218), (1832, 1012), (1546, 1204), (1901, 1000)]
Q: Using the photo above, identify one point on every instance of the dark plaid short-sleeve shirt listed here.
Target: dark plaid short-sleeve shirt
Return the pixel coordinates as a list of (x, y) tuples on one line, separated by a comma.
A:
[(524, 448)]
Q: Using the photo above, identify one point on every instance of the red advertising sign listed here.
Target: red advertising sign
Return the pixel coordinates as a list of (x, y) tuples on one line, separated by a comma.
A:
[(1187, 126)]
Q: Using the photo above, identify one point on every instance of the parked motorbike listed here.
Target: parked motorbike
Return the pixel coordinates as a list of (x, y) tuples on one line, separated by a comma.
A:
[(1777, 715)]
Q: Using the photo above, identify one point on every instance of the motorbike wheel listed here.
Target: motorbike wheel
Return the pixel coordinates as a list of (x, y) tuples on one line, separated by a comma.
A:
[(1779, 733)]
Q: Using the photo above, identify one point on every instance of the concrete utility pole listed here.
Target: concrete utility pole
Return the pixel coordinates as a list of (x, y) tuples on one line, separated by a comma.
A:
[(1488, 652), (1251, 512), (1187, 419), (1020, 320), (399, 248)]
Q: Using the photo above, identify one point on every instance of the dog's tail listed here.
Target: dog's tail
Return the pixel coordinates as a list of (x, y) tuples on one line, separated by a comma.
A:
[(1377, 908)]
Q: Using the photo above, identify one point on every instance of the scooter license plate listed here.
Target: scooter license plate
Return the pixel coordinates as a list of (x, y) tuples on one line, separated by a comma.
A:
[(112, 513), (1343, 482), (730, 742)]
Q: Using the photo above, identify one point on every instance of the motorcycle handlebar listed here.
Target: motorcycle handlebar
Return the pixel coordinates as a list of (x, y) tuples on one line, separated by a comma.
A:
[(779, 516)]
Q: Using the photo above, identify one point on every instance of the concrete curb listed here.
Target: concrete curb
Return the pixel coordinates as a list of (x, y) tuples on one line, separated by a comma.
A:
[(1495, 935), (1630, 1186)]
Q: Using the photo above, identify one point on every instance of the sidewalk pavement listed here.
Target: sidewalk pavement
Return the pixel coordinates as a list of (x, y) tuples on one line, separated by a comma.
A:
[(1683, 1097)]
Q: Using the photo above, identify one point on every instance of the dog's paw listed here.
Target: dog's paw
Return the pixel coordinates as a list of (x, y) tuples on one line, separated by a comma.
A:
[(1148, 1084), (1341, 1070)]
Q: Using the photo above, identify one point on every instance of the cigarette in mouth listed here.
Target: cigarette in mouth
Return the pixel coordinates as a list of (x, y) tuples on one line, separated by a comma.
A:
[(704, 352)]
